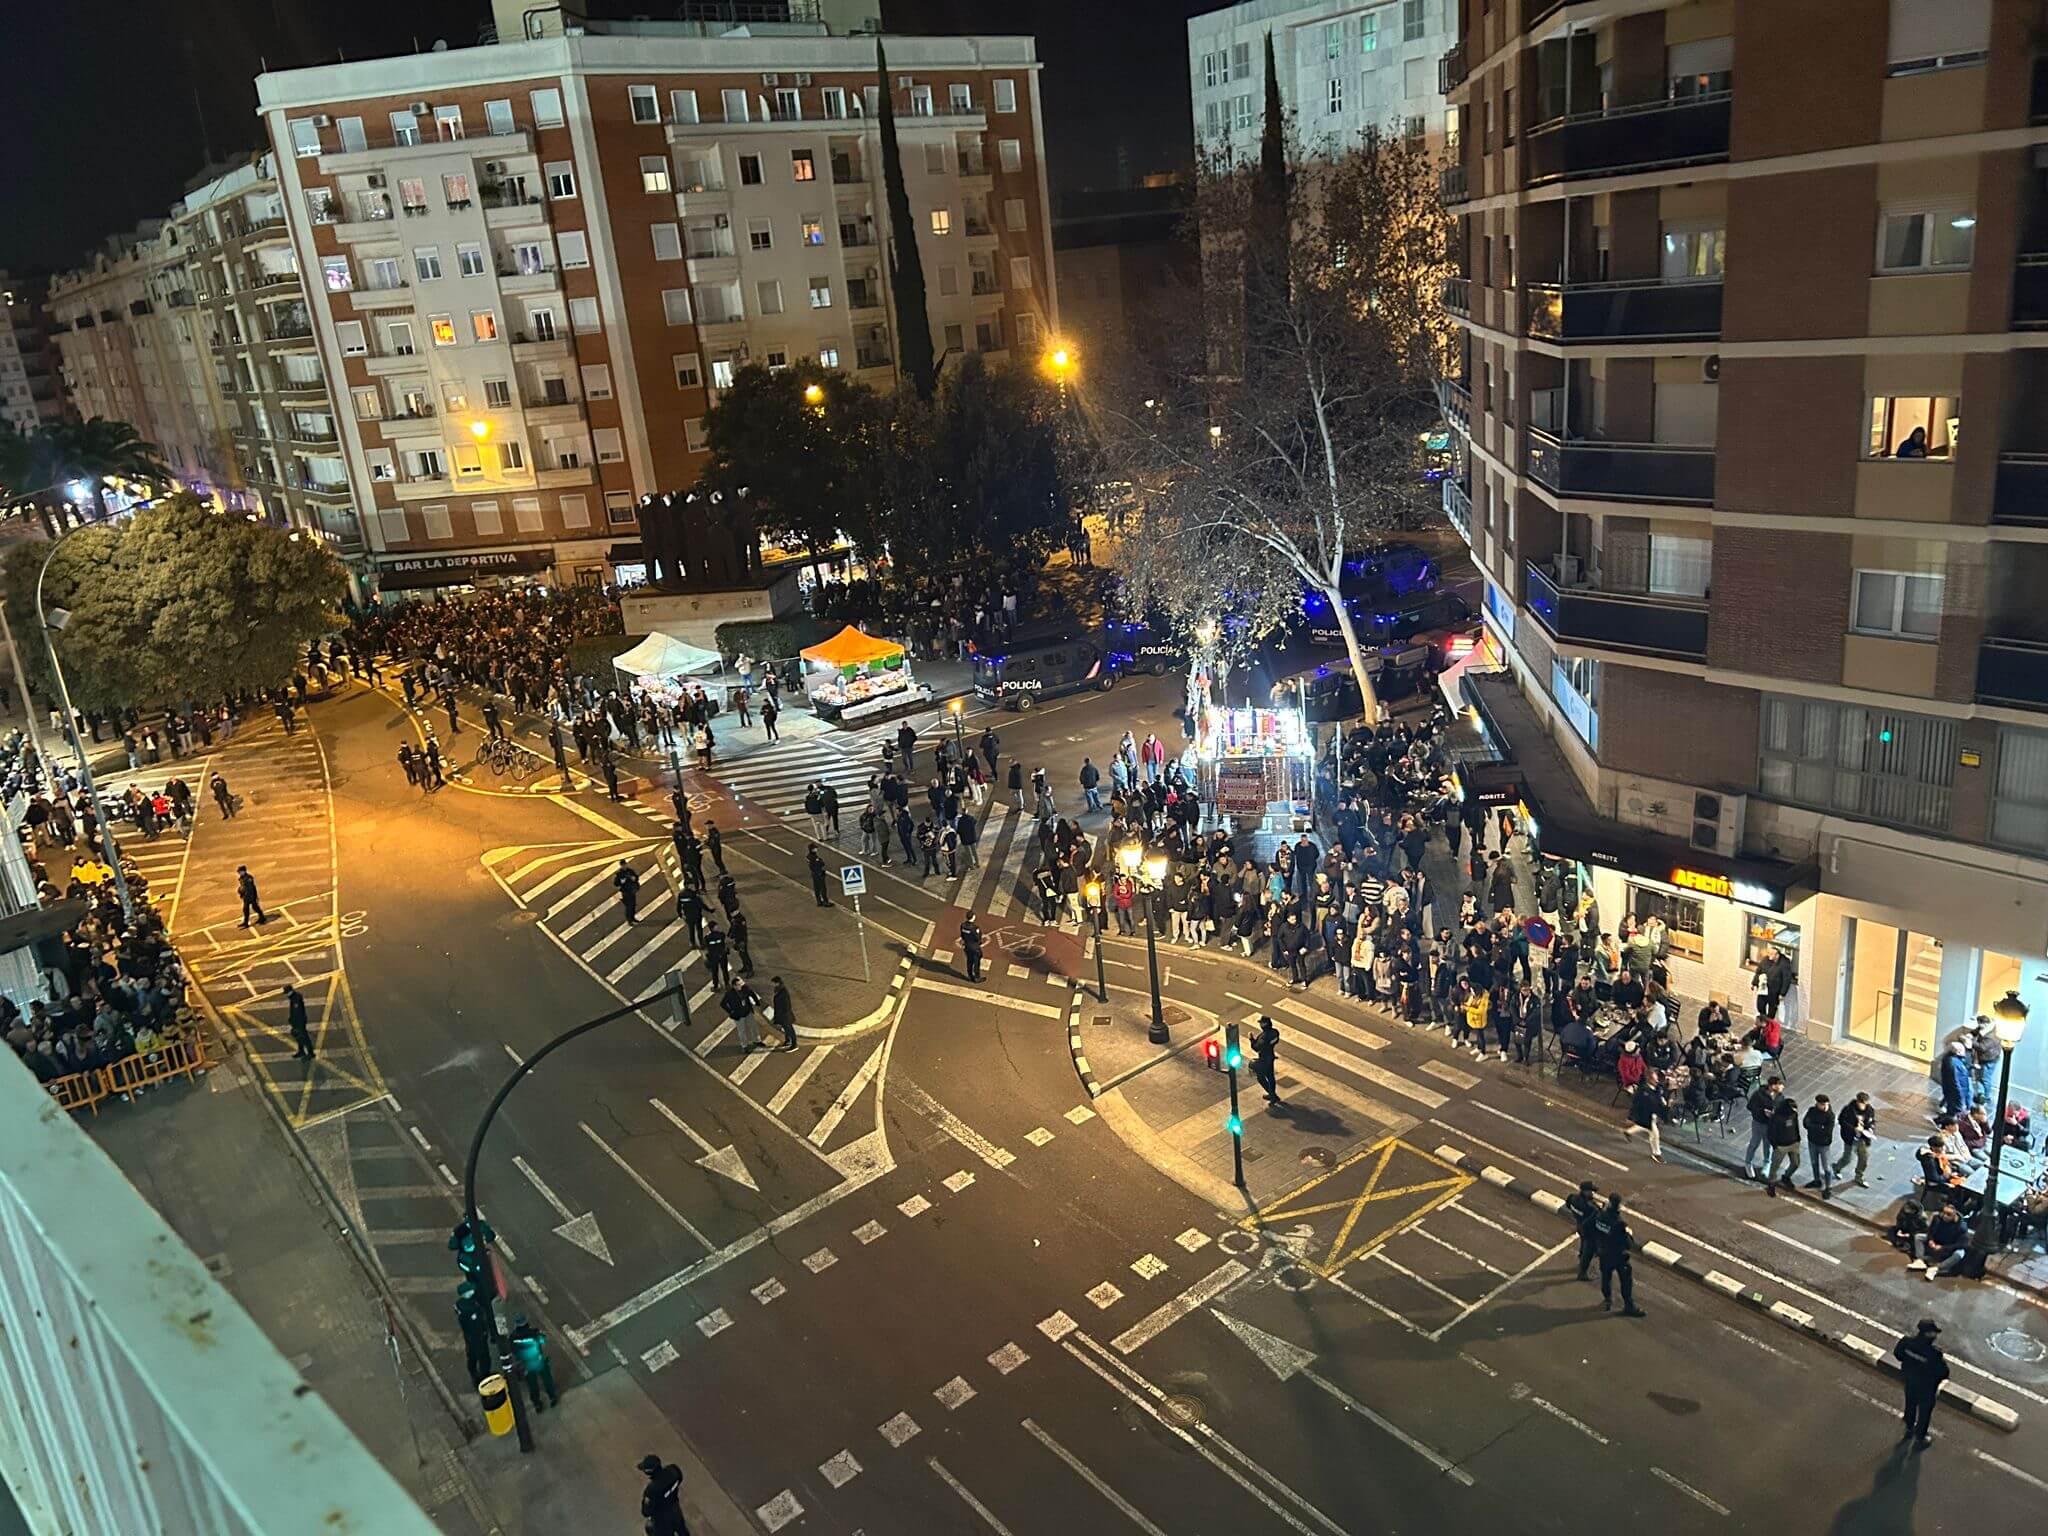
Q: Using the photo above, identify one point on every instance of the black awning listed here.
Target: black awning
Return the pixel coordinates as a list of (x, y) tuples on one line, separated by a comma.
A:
[(627, 553)]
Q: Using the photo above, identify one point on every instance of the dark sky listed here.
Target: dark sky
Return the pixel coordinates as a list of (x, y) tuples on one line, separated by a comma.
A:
[(102, 115)]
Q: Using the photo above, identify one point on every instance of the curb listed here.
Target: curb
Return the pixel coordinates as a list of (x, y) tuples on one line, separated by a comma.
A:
[(1983, 1409), (1081, 1067), (875, 1015)]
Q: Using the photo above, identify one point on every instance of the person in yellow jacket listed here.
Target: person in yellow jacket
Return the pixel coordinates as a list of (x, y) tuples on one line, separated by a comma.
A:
[(1477, 1006)]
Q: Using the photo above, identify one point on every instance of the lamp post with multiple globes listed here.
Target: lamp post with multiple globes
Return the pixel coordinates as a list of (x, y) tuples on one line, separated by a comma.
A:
[(1149, 871)]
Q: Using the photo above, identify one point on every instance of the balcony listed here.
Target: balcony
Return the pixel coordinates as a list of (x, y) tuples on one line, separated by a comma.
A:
[(314, 390), (1456, 401), (1451, 184), (1605, 471), (2030, 291), (413, 423), (1451, 71), (327, 490), (2020, 499), (1633, 311), (1653, 136), (1458, 509), (397, 296), (1456, 294), (865, 296), (263, 284), (983, 285), (2013, 672), (703, 197), (531, 348), (513, 280), (1644, 624), (872, 357)]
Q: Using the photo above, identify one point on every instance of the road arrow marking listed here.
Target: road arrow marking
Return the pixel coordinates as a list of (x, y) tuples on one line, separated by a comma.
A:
[(1287, 1360), (580, 1230), (724, 1161)]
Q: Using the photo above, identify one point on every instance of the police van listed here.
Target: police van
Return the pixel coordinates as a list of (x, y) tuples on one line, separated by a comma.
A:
[(1019, 677), (1143, 648)]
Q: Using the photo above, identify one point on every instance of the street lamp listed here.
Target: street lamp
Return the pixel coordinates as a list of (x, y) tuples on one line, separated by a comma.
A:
[(52, 624), (2009, 1020), (1150, 874), (814, 394), (479, 429), (1059, 362), (954, 708), (1093, 892)]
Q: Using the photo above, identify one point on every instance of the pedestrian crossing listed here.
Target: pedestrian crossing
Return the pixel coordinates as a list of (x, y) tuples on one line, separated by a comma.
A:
[(569, 889), (774, 777)]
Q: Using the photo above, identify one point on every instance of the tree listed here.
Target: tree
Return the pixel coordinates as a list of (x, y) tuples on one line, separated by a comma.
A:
[(178, 603), (31, 479), (1296, 464), (1266, 277), (100, 450), (914, 353)]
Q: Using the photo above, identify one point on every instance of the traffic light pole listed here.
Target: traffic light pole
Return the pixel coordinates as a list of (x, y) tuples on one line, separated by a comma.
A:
[(500, 1336), (1236, 1133), (1101, 984)]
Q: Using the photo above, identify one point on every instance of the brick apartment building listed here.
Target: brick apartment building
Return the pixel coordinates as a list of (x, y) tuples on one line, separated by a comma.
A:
[(1771, 618), (534, 262), (31, 381)]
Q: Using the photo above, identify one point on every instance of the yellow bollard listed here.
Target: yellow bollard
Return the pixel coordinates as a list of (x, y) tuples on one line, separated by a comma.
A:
[(496, 1398)]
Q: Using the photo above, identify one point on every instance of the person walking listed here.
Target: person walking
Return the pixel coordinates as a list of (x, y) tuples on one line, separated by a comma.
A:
[(530, 1353), (769, 712), (1265, 1069), (690, 908), (970, 946), (627, 883), (1646, 1108), (1858, 1122), (295, 1021), (714, 844), (991, 748), (610, 765), (1819, 1122), (1584, 1210), (1784, 1136), (225, 800), (1091, 784), (661, 1502), (1613, 1241), (245, 887), (1760, 1103), (782, 1011), (816, 864), (1922, 1370)]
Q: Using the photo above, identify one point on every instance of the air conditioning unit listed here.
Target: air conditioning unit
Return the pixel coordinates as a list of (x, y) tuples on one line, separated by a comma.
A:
[(1568, 570), (375, 179), (721, 221), (323, 121), (421, 109), (771, 79), (1717, 822), (803, 77), (1710, 368), (494, 167)]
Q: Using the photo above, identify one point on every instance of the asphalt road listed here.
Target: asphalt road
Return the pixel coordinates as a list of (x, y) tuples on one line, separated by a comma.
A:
[(906, 1277)]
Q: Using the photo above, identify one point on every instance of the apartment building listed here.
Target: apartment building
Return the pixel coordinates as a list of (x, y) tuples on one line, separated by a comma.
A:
[(1343, 66), (31, 389), (1776, 666), (540, 259)]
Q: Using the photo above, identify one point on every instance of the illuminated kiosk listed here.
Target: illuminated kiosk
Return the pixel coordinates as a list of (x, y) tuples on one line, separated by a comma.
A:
[(855, 676), (659, 665), (1255, 767)]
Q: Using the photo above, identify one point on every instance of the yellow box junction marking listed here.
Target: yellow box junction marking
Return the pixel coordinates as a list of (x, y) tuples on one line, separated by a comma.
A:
[(1383, 1174)]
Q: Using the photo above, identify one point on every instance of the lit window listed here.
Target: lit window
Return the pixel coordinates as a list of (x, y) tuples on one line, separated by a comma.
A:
[(334, 271), (828, 355), (1926, 240), (484, 324), (442, 329), (654, 173), (1914, 426), (821, 293), (801, 166), (942, 221), (814, 229)]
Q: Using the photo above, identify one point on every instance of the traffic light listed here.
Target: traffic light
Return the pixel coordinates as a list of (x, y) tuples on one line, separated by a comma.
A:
[(1233, 1053), (466, 1243), (1212, 1054), (1236, 1125)]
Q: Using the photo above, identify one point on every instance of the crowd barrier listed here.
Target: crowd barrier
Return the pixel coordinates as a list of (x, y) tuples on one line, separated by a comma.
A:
[(184, 1056)]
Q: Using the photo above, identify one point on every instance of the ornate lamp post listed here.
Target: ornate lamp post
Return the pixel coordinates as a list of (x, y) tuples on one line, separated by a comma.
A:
[(1149, 871), (2009, 1019)]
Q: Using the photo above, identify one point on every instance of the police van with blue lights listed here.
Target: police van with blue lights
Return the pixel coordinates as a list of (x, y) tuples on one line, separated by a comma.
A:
[(1375, 583), (1017, 678), (1139, 648)]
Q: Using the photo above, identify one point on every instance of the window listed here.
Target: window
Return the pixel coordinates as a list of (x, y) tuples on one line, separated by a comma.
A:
[(1905, 604), (949, 281), (610, 448), (305, 138), (405, 128), (644, 102), (955, 339), (412, 195), (813, 229), (760, 235), (1241, 60), (1212, 118), (1215, 68), (1914, 426), (1006, 95), (320, 205), (1011, 154), (682, 106), (351, 131), (2019, 794), (734, 105), (1938, 34), (369, 405), (1027, 329), (1693, 251), (1241, 113), (529, 257), (689, 371), (801, 166), (722, 369), (1575, 687), (1684, 917), (1013, 213), (573, 248), (398, 338), (469, 259), (1411, 20), (547, 108), (498, 117), (583, 316), (561, 178), (454, 398), (694, 436), (497, 392), (485, 515), (349, 333), (1020, 271), (483, 324), (654, 173), (769, 293), (834, 98), (935, 159), (1333, 39), (436, 519), (383, 273), (1935, 239), (750, 170), (828, 354), (675, 305), (568, 452), (575, 511), (448, 123), (920, 101), (334, 274), (960, 99), (540, 323), (1335, 101), (668, 243), (455, 190), (526, 512), (425, 464), (942, 221), (1873, 763), (618, 507), (597, 381), (788, 107), (1369, 32)]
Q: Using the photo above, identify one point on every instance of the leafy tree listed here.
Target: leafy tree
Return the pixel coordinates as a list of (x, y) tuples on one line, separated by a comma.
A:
[(178, 603), (31, 479), (1005, 476), (906, 266)]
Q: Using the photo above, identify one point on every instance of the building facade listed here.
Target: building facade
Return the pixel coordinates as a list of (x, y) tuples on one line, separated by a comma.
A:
[(538, 260), (1773, 614), (1343, 66), (31, 384)]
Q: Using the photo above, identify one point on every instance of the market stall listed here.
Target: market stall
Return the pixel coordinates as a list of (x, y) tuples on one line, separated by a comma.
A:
[(1255, 766), (658, 665), (855, 676)]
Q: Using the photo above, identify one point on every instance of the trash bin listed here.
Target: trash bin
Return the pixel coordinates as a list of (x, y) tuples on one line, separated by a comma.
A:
[(496, 1398)]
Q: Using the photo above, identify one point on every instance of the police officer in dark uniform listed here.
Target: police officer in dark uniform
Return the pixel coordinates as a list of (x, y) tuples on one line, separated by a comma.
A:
[(715, 845), (739, 943), (681, 802), (627, 883), (295, 1021), (661, 1504), (1584, 1209), (1611, 1234), (817, 868), (611, 775), (494, 727), (970, 946), (1923, 1368), (728, 895), (476, 1330), (1265, 1041), (692, 853), (716, 965), (690, 908)]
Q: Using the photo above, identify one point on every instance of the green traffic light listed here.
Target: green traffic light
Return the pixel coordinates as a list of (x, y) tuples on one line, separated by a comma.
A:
[(1236, 1060), (1236, 1125)]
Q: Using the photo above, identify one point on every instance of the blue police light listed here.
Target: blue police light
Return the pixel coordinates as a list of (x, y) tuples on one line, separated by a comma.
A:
[(1322, 671)]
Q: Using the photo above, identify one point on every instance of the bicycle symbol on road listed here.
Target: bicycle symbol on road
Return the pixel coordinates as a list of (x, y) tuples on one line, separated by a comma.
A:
[(1017, 941)]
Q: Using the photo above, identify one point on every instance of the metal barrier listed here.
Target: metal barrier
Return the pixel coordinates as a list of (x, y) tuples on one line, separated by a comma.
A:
[(182, 1056)]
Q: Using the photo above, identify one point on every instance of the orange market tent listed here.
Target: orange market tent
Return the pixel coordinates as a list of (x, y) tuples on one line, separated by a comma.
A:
[(851, 648)]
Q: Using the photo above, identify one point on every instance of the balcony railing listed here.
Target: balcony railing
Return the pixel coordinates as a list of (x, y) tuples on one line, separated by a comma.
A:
[(2030, 291), (1451, 184), (1604, 471), (872, 357), (1646, 624), (1450, 71), (1456, 401), (1632, 311), (1456, 293), (1458, 508), (2020, 498), (2013, 672), (1690, 131)]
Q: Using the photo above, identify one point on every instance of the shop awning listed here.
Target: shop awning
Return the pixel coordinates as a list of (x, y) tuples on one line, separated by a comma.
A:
[(850, 648), (662, 655), (633, 553)]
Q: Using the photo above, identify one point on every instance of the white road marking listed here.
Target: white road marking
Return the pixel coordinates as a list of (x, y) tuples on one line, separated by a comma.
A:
[(954, 1394), (1039, 1137), (868, 1231), (829, 1121), (1549, 1135), (1791, 1242), (1105, 1296), (781, 1509), (1380, 1077), (1487, 1221), (1080, 1113), (625, 968), (1058, 1326), (648, 1189), (1200, 1294), (898, 1431), (1541, 1258), (840, 1470), (793, 1084), (1470, 1258), (768, 1290), (987, 1516), (1193, 1239), (1399, 1268), (1007, 1359), (916, 1205), (716, 1037), (990, 999), (957, 1128), (1343, 1030), (817, 1263), (1564, 1418), (2008, 1467), (955, 1182), (663, 1354), (714, 1322), (1688, 1490), (1148, 1267), (1081, 1470)]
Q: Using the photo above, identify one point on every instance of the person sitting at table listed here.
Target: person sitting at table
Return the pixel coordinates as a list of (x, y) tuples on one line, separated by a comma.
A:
[(1575, 1040), (1714, 1019), (1975, 1129), (1628, 989), (1945, 1247), (1949, 1129), (1939, 1178), (1661, 1051)]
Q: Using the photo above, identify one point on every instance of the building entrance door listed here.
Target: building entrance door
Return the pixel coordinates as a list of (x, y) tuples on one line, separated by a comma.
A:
[(1892, 986)]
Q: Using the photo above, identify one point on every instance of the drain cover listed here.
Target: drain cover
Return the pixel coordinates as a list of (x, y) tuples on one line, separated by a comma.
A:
[(1181, 1408), (1322, 1157), (2015, 1344)]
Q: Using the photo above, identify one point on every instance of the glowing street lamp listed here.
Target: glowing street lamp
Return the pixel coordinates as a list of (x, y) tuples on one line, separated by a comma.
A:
[(479, 429), (814, 394), (2009, 1021), (1150, 874), (1092, 891)]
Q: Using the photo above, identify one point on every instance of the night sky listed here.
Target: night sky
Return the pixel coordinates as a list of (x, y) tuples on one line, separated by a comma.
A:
[(103, 115)]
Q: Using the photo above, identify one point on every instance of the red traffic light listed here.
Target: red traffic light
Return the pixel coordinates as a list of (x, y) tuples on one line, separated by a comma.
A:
[(1212, 1055)]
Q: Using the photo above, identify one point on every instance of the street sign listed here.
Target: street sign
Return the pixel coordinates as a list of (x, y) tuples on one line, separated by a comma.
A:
[(853, 879)]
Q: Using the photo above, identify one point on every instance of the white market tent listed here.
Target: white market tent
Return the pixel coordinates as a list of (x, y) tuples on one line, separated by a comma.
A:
[(662, 655)]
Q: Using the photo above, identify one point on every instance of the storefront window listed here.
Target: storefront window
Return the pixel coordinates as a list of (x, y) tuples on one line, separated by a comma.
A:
[(1762, 934), (1684, 918)]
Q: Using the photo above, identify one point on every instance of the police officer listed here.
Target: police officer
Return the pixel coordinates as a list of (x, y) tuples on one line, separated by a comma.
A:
[(627, 883), (817, 867), (738, 939), (692, 853), (970, 946), (1924, 1368), (493, 726), (1265, 1041), (530, 1349), (611, 775), (295, 1021), (785, 1012), (715, 845), (661, 1504), (1613, 1241), (476, 1330), (681, 802), (1584, 1209), (716, 965), (690, 908), (728, 894), (245, 887)]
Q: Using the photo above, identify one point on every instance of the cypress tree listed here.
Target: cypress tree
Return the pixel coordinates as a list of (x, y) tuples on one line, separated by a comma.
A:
[(1267, 233), (906, 266)]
